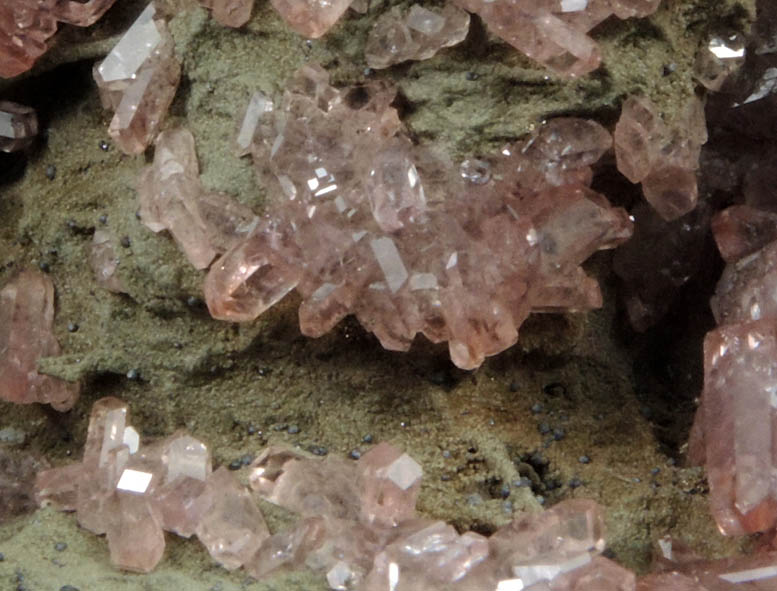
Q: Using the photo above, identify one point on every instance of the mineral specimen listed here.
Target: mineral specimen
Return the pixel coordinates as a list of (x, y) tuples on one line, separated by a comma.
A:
[(25, 28), (230, 13), (311, 18), (362, 221), (417, 34), (663, 158), (138, 80), (104, 262), (721, 57), (18, 126), (555, 33), (172, 198), (26, 335)]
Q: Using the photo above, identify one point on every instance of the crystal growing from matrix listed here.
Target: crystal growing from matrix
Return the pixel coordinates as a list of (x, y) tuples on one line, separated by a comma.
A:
[(552, 33), (26, 26), (26, 335), (363, 222), (664, 158), (138, 80), (417, 34), (18, 126)]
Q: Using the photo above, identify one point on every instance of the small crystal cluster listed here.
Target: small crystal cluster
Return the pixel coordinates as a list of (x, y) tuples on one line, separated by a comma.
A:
[(363, 222), (415, 34), (26, 335), (18, 126), (26, 27), (664, 158), (553, 33), (138, 80), (172, 198), (356, 525)]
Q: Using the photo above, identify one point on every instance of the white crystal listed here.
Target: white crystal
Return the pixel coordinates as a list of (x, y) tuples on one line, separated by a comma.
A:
[(257, 106), (134, 48), (134, 481), (131, 439), (390, 262), (404, 472), (6, 125), (754, 574), (573, 5), (424, 21)]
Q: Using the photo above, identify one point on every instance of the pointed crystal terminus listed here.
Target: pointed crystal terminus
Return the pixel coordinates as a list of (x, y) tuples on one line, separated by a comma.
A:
[(383, 229), (18, 126), (26, 335)]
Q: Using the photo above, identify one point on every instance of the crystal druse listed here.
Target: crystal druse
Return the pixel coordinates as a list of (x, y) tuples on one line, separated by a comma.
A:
[(362, 221), (356, 522)]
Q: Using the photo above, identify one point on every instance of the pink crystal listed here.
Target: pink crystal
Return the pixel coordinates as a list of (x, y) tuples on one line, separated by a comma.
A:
[(663, 158), (138, 80), (230, 13), (311, 18), (737, 415), (719, 59), (363, 227), (104, 262), (26, 335), (308, 486), (18, 126), (417, 34), (391, 480), (741, 230), (25, 28), (746, 287), (426, 555), (232, 528), (287, 549), (172, 198)]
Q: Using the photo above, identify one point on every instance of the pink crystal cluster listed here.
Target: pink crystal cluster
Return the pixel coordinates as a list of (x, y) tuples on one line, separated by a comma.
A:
[(555, 33), (416, 34), (204, 224), (361, 221), (138, 80), (26, 335), (664, 158), (230, 13), (26, 27), (357, 525), (18, 126)]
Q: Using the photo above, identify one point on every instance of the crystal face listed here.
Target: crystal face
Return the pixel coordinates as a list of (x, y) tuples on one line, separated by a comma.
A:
[(363, 222), (26, 335), (18, 126)]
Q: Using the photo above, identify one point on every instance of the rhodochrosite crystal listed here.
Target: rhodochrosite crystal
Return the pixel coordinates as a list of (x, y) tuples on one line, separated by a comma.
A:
[(363, 222), (554, 33), (311, 18), (18, 126), (26, 335), (230, 13), (172, 198), (416, 34), (664, 158), (26, 26), (138, 80)]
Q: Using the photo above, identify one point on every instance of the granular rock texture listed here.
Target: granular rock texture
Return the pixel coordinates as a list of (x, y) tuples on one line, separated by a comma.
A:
[(363, 222)]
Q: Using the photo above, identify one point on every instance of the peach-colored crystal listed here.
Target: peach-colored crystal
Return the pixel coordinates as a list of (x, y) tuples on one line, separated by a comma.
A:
[(232, 529), (172, 198), (363, 222), (26, 26), (741, 230), (26, 335), (391, 481), (311, 18), (664, 158), (18, 126), (415, 34), (230, 13), (138, 80)]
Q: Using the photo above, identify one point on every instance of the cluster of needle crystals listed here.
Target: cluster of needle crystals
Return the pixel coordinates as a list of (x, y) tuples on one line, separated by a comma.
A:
[(26, 27), (363, 222), (26, 335), (356, 524), (138, 80)]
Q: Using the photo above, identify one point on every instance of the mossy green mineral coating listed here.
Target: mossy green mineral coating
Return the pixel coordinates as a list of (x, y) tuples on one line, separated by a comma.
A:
[(239, 386)]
